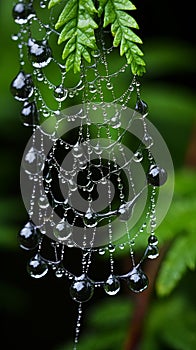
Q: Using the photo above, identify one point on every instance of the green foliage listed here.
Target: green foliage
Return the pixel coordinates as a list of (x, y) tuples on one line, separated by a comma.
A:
[(121, 24), (78, 33)]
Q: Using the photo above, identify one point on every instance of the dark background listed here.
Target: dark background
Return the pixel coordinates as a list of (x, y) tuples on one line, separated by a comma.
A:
[(39, 313)]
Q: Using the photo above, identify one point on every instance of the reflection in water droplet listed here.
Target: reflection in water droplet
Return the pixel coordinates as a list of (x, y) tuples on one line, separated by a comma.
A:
[(22, 86), (22, 13), (112, 285), (137, 280), (60, 93), (33, 162), (29, 236), (40, 53), (36, 267), (82, 289)]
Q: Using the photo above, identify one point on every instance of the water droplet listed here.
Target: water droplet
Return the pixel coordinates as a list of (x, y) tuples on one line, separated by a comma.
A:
[(102, 251), (111, 248), (115, 122), (112, 285), (62, 231), (137, 280), (138, 156), (125, 211), (141, 107), (29, 114), (29, 236), (151, 252), (60, 271), (43, 202), (82, 289), (152, 240), (14, 37), (36, 267), (90, 219), (33, 162), (156, 176), (60, 93), (148, 141), (22, 13), (77, 150), (40, 53), (22, 86)]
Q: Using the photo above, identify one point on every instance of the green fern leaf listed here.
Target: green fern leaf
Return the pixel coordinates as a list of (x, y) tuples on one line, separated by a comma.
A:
[(78, 31), (121, 24), (181, 256)]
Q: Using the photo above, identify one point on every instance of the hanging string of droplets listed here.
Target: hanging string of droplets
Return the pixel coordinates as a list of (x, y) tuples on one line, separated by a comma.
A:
[(101, 198)]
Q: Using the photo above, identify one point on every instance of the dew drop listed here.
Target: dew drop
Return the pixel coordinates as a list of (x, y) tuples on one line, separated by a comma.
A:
[(138, 157), (152, 252), (62, 231), (82, 289), (90, 219), (14, 37), (43, 202), (137, 280), (102, 251), (60, 271), (152, 240), (36, 267), (22, 13), (40, 53), (33, 162), (22, 86), (29, 236), (141, 107), (148, 141), (125, 211), (60, 93), (156, 176), (112, 285), (29, 114)]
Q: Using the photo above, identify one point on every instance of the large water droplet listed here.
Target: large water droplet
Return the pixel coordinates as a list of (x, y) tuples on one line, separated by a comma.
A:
[(137, 280), (141, 107), (156, 176), (77, 150), (112, 285), (22, 86), (36, 267), (152, 252), (40, 53), (62, 231), (60, 93), (29, 236), (148, 141), (82, 289), (22, 13), (29, 114), (33, 162)]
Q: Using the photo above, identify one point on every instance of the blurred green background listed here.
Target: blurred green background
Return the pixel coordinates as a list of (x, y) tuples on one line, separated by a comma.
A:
[(40, 314)]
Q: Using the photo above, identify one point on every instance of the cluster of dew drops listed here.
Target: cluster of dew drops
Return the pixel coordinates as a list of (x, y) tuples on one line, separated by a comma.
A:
[(30, 238)]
